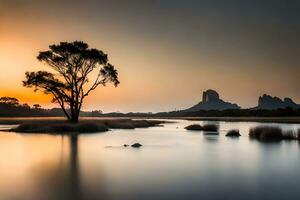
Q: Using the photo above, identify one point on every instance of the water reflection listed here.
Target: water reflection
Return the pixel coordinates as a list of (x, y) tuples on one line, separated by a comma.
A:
[(39, 167), (211, 138), (171, 164), (210, 133), (75, 190), (59, 180)]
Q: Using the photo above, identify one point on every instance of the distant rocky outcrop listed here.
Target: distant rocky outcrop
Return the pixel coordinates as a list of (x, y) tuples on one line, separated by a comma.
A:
[(267, 102), (212, 101)]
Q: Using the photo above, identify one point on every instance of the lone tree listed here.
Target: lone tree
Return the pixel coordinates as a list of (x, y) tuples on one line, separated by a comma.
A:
[(9, 100), (36, 106), (73, 63)]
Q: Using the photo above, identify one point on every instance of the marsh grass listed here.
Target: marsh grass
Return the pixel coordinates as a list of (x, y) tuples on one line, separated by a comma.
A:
[(289, 135), (266, 133), (272, 133), (131, 124), (206, 127), (84, 126), (60, 128), (194, 127), (210, 127)]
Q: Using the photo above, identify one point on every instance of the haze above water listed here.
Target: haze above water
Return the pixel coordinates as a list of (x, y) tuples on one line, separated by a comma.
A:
[(172, 164)]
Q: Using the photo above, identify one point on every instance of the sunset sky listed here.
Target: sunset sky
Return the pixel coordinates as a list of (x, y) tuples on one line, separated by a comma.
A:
[(166, 51)]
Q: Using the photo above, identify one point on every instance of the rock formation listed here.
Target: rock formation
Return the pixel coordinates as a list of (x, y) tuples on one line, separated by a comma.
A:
[(267, 102), (212, 101)]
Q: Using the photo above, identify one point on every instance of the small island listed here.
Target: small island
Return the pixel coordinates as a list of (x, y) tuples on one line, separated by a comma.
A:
[(60, 126)]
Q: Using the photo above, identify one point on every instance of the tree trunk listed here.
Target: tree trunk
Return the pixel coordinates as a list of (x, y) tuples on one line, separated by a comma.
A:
[(74, 117)]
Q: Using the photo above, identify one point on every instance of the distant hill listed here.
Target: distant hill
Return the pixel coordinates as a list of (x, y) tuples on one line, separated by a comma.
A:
[(267, 102), (210, 106), (212, 101)]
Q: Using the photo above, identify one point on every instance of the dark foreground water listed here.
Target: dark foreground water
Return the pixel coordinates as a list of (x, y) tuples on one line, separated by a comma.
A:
[(172, 164)]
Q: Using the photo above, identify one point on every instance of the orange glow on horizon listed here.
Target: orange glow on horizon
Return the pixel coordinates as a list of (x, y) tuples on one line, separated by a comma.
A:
[(159, 69)]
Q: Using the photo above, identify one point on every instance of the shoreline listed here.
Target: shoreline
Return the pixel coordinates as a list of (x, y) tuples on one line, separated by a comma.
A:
[(61, 126), (289, 120), (19, 120)]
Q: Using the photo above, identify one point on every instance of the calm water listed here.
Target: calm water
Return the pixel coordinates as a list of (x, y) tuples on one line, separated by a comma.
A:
[(172, 164)]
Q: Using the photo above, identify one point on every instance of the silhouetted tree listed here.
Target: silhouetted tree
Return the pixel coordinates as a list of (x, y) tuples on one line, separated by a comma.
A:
[(9, 100), (26, 106), (74, 62), (36, 106)]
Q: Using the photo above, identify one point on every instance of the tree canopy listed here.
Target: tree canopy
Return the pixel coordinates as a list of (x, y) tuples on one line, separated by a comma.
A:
[(9, 100), (74, 62)]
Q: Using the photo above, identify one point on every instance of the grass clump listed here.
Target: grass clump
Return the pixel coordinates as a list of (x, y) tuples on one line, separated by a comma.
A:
[(206, 127), (273, 133), (266, 133), (194, 127), (210, 127), (289, 135), (233, 133)]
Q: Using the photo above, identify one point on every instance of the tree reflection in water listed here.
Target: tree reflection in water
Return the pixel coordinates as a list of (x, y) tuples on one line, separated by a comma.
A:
[(62, 180), (59, 181), (75, 192)]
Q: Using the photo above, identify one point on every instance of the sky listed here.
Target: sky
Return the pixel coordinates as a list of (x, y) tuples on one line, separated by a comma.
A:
[(167, 52)]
